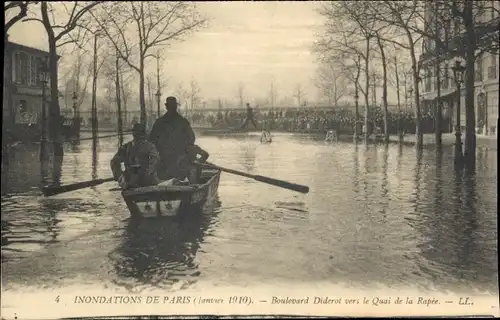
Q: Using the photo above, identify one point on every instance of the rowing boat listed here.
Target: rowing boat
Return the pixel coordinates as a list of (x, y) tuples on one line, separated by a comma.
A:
[(172, 200)]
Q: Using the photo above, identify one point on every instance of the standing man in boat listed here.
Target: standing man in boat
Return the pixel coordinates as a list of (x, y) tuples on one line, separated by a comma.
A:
[(173, 136), (141, 160)]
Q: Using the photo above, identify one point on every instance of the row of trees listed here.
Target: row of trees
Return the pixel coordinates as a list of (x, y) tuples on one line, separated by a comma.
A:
[(124, 38), (363, 37), (270, 98)]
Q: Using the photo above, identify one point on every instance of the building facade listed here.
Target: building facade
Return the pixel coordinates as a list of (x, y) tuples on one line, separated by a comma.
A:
[(486, 79), (22, 89)]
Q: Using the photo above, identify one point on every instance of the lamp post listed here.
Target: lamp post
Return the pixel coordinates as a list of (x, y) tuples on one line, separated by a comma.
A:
[(75, 112), (458, 73), (158, 97), (43, 74), (410, 91), (356, 118)]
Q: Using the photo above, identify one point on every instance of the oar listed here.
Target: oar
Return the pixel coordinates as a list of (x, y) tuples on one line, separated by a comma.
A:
[(268, 180), (53, 190)]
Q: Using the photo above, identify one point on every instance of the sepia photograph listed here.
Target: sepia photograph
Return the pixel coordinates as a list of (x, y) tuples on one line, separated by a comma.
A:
[(250, 159)]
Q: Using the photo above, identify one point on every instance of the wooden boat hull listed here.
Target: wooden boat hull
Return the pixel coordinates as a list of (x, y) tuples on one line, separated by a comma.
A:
[(172, 200)]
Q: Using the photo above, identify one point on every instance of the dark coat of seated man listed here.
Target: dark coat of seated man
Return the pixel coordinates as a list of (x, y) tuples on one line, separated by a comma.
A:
[(186, 164), (141, 160)]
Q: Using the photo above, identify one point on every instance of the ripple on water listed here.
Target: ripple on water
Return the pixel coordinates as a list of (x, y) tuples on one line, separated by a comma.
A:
[(374, 216)]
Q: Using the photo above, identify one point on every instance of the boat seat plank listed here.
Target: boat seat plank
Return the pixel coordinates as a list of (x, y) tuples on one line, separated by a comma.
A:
[(155, 189)]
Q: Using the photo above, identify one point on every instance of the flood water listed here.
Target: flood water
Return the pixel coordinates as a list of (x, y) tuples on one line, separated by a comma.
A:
[(375, 216)]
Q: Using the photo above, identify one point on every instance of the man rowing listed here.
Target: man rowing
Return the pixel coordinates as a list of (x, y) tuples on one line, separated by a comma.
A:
[(189, 164), (172, 136), (141, 160)]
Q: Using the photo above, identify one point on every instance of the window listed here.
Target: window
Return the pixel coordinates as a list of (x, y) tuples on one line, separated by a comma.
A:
[(21, 68), (39, 64), (428, 80), (492, 69), (33, 71), (446, 78), (456, 27), (478, 75)]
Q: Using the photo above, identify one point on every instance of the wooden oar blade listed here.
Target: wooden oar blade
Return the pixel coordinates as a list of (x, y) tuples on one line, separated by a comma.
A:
[(283, 184), (54, 190), (268, 180)]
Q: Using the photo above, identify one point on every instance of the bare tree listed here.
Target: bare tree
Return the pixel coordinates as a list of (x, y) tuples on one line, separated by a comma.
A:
[(241, 94), (384, 85), (10, 18), (125, 94), (401, 15), (331, 81), (348, 20), (273, 95), (155, 24), (182, 96), (194, 94), (299, 95), (474, 35), (457, 30), (78, 77), (60, 34)]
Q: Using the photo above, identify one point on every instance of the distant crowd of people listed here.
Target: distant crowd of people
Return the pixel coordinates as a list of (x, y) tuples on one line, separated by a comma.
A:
[(310, 121)]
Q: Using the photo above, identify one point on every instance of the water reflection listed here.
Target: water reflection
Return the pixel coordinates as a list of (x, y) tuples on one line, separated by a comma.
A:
[(375, 213), (385, 182), (57, 170), (455, 224), (162, 252), (355, 159), (95, 159)]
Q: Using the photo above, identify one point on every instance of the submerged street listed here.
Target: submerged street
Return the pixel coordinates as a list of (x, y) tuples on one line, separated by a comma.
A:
[(376, 216)]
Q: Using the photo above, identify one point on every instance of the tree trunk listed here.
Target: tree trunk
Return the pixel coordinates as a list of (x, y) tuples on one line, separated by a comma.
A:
[(95, 120), (367, 87), (399, 96), (55, 123), (142, 100), (419, 137), (437, 112), (124, 96), (356, 86), (470, 115), (384, 91), (118, 102)]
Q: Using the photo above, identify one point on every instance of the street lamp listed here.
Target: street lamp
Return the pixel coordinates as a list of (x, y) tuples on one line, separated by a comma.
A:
[(75, 97), (158, 97), (411, 97), (43, 74), (458, 73)]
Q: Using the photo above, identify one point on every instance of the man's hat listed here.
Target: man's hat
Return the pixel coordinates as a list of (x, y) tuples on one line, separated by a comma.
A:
[(171, 101), (139, 130)]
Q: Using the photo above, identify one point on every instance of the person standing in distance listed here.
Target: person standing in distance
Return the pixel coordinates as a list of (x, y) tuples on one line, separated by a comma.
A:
[(172, 136)]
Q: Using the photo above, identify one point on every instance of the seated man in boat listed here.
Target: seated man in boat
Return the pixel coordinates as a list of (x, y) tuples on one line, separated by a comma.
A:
[(187, 164), (141, 160), (172, 135)]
